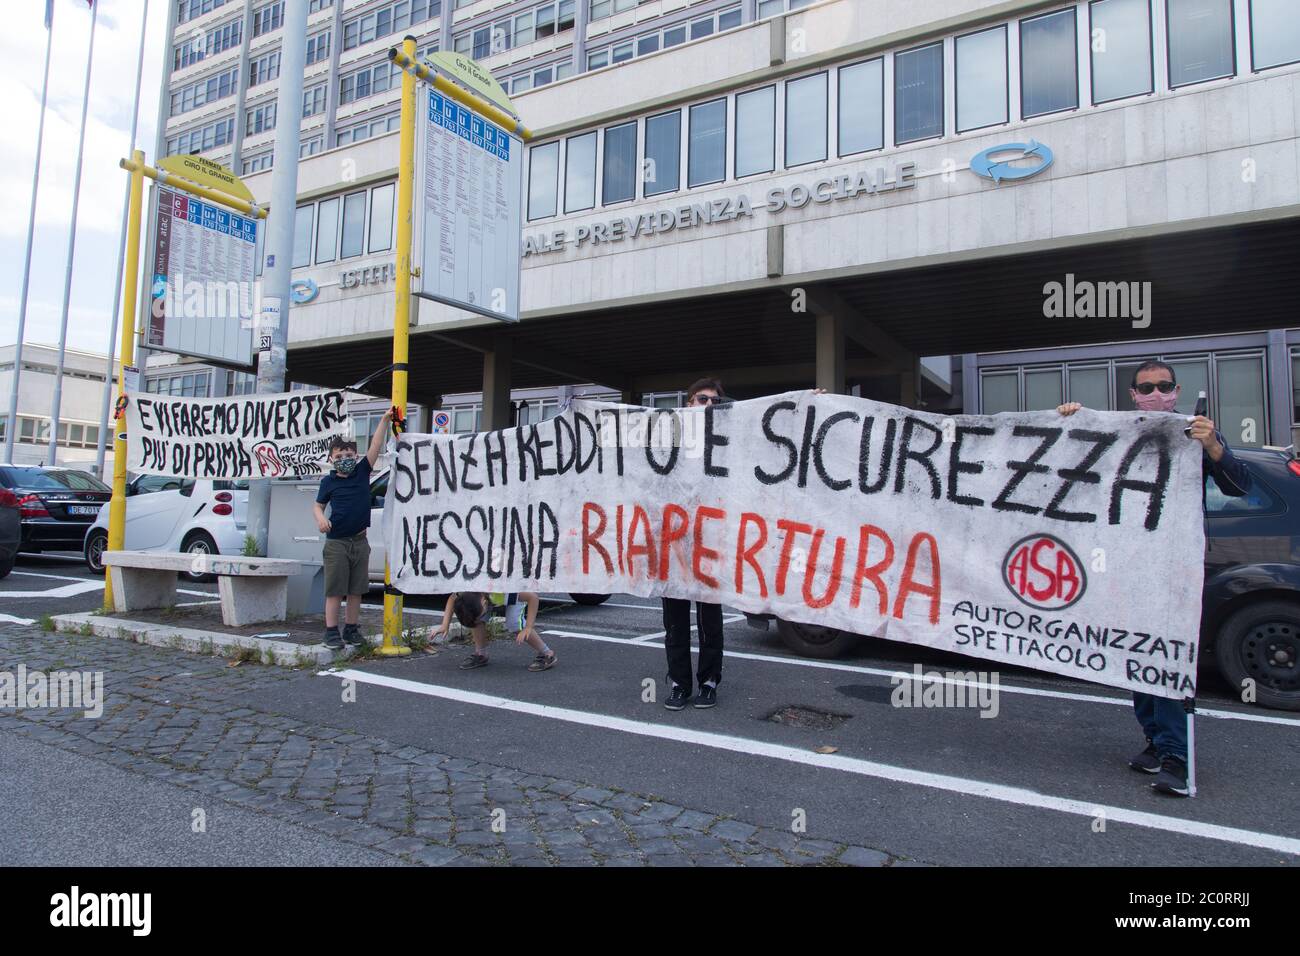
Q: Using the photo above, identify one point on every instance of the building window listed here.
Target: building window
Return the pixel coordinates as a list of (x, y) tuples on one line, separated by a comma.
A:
[(701, 28), (999, 392), (1201, 44), (205, 91), (352, 242), (981, 70), (706, 152), (918, 93), (580, 173), (647, 44), (1274, 33), (268, 18), (674, 36), (729, 18), (255, 164), (302, 221), (381, 218), (1239, 390), (202, 138), (217, 40), (1121, 49), (313, 100), (308, 147), (259, 119), (264, 68), (862, 107), (315, 6), (367, 82), (805, 120), (327, 227), (597, 58), (622, 52), (1049, 64), (663, 153), (543, 179), (756, 131), (187, 10), (189, 385), (1043, 389), (603, 8), (318, 47), (1090, 387), (618, 182)]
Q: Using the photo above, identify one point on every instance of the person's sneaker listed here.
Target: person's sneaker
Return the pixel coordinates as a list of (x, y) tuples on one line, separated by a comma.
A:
[(707, 697), (473, 661), (543, 662), (678, 699), (1172, 778), (332, 639), (1148, 761), (352, 634)]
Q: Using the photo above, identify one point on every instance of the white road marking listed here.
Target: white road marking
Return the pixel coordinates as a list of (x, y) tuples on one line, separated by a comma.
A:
[(931, 673), (10, 619), (56, 577), (646, 638), (867, 768), (68, 590)]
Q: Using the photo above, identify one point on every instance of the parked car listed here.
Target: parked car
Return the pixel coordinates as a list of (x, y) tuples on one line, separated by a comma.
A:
[(11, 530), (378, 489), (176, 514), (55, 505), (1250, 602)]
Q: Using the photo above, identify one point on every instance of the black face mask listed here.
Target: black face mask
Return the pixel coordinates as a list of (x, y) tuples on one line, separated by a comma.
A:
[(345, 467)]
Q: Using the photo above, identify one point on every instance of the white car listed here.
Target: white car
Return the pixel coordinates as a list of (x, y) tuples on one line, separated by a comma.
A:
[(176, 514)]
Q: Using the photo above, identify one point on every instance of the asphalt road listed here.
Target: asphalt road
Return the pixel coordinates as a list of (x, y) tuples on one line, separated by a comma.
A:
[(1044, 782)]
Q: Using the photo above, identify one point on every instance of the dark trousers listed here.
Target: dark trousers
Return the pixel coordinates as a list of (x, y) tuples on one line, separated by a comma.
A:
[(1164, 721), (677, 641)]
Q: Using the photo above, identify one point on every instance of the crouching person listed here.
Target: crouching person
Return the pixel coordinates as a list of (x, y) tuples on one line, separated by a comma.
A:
[(346, 553), (474, 609)]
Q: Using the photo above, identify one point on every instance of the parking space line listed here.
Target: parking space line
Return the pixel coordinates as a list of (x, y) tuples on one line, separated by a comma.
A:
[(646, 638), (56, 577), (930, 675), (68, 590), (10, 619), (867, 768)]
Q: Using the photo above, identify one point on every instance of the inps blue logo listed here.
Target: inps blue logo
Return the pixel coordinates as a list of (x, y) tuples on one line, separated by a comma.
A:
[(302, 290), (997, 170)]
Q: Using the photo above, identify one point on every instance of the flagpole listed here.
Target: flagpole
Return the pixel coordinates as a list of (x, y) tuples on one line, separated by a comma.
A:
[(72, 246), (121, 252), (11, 422)]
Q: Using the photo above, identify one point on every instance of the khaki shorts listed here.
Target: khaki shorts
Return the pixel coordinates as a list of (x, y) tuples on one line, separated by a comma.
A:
[(347, 566)]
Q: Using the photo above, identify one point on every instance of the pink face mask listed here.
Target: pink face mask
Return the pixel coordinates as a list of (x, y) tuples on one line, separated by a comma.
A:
[(1155, 402)]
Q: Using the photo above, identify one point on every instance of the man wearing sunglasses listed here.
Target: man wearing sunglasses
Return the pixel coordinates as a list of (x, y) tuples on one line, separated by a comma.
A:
[(1155, 389), (708, 617)]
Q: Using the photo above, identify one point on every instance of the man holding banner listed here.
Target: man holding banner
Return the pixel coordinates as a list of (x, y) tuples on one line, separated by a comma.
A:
[(1155, 389), (708, 617), (346, 554)]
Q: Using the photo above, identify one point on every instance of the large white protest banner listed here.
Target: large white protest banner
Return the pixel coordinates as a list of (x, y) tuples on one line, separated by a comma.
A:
[(1066, 545), (259, 436)]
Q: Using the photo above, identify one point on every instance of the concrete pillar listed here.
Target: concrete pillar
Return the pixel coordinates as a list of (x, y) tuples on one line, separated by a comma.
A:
[(629, 395), (496, 385), (830, 352), (909, 384)]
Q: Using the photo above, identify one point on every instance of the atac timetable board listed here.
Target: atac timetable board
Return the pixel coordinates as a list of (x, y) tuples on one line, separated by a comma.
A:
[(472, 179), (203, 274)]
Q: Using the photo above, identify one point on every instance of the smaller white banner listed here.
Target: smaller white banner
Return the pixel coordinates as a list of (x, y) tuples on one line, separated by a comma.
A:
[(258, 436)]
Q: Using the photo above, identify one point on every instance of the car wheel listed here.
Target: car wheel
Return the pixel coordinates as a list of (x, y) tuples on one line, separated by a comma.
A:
[(93, 550), (199, 543), (813, 640), (590, 600), (1261, 643), (7, 565)]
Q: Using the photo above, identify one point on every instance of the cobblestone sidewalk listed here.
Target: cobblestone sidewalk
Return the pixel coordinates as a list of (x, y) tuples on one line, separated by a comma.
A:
[(178, 717)]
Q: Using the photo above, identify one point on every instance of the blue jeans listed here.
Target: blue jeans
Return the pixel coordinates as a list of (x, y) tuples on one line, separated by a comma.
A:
[(1165, 722)]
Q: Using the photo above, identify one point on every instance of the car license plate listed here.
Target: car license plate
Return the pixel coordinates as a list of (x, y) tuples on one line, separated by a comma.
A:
[(83, 509)]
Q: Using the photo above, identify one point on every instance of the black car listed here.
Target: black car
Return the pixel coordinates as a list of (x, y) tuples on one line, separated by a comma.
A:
[(11, 530), (56, 506), (1250, 603)]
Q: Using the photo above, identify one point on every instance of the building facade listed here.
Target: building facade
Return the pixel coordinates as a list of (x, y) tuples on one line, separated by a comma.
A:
[(844, 193), (83, 393)]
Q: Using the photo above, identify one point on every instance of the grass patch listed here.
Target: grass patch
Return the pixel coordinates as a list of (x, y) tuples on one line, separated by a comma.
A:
[(47, 623)]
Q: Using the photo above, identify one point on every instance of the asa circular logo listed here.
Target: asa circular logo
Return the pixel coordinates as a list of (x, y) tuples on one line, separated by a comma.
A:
[(1043, 571), (996, 162)]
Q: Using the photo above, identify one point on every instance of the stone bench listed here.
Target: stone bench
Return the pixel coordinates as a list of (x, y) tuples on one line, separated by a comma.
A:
[(252, 590)]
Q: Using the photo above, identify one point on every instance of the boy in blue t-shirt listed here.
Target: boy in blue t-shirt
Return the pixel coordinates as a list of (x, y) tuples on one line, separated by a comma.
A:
[(346, 553)]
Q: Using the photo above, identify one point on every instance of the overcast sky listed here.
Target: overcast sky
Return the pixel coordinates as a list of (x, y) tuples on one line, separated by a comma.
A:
[(108, 131)]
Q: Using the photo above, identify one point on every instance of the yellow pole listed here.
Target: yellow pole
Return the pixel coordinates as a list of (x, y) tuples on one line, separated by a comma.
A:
[(401, 314), (117, 507)]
